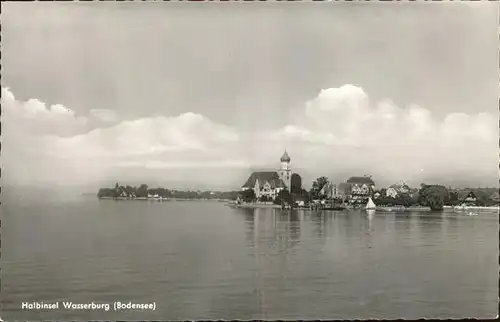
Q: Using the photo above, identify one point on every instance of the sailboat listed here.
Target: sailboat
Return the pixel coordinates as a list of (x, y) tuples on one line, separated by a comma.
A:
[(370, 205)]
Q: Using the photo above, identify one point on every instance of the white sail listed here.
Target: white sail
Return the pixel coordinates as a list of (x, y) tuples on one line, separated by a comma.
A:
[(370, 204)]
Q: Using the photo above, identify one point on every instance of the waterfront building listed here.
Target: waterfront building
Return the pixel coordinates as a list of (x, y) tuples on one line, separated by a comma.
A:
[(397, 189), (468, 198), (270, 183), (356, 189)]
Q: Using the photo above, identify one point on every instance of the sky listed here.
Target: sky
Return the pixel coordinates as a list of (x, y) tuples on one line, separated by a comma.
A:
[(198, 95)]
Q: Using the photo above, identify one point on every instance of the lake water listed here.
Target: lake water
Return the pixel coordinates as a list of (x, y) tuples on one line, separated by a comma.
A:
[(203, 260)]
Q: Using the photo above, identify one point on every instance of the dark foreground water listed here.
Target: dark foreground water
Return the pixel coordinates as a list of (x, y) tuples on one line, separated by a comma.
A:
[(202, 260)]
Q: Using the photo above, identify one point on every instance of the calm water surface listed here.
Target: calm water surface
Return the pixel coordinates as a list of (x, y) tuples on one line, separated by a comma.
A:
[(203, 260)]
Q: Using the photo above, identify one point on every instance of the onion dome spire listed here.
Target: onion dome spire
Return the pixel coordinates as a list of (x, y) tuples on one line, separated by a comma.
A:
[(285, 157)]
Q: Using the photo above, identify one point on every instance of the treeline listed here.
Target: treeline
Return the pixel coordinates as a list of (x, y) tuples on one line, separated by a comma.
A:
[(143, 191), (436, 197)]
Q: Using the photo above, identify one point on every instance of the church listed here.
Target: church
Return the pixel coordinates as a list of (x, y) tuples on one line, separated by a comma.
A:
[(270, 183)]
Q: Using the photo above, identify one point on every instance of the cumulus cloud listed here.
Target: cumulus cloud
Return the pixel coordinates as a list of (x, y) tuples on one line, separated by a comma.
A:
[(34, 117), (54, 145), (383, 138), (338, 133), (104, 115)]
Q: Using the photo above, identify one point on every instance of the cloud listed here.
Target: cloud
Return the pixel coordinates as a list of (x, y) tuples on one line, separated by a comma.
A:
[(104, 115), (34, 117), (349, 131), (53, 145), (338, 133)]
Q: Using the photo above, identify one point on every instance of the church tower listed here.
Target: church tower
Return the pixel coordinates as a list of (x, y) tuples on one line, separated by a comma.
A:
[(285, 171)]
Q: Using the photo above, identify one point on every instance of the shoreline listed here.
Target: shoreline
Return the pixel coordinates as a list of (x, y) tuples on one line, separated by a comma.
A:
[(160, 199), (473, 208), (273, 206), (414, 208), (253, 206)]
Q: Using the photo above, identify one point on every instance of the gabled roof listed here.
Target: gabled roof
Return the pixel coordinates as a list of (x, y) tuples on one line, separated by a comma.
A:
[(274, 183), (399, 187), (361, 180), (344, 187), (264, 176), (465, 194)]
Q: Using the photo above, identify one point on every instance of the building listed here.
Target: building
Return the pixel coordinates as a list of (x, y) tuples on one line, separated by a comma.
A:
[(467, 198), (397, 189), (285, 172), (270, 183), (356, 189), (300, 201), (361, 186)]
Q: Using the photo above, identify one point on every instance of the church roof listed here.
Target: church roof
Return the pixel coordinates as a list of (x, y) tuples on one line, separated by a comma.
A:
[(285, 157), (264, 176)]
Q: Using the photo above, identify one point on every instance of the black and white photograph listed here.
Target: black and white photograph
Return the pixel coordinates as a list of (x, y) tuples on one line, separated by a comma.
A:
[(236, 160)]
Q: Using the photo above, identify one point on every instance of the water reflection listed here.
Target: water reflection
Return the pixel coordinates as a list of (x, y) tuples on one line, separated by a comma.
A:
[(402, 225), (276, 229), (294, 227), (322, 222), (317, 252), (451, 225), (276, 233), (429, 225), (366, 224), (248, 215)]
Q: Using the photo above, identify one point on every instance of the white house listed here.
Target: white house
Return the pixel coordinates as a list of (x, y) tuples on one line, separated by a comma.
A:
[(396, 189)]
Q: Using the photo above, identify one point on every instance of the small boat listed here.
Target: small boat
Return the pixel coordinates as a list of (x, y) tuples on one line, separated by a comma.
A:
[(370, 205)]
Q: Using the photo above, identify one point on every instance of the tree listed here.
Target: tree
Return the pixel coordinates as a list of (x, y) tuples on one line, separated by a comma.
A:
[(248, 195), (403, 199), (142, 191), (296, 184), (436, 202), (116, 191), (285, 196), (305, 194), (264, 198), (434, 196), (484, 197), (317, 185), (454, 198), (106, 192), (130, 190)]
